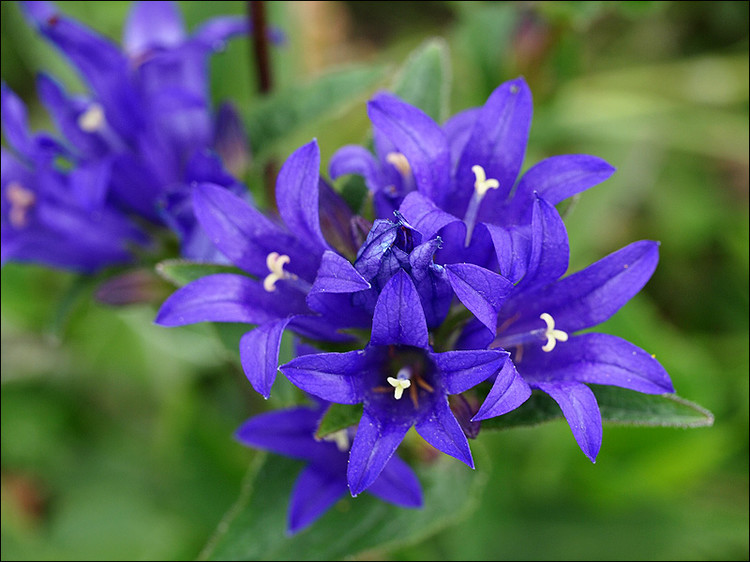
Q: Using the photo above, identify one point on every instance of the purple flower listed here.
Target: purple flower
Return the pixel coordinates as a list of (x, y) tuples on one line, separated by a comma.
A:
[(148, 118), (52, 216), (539, 320), (390, 247), (323, 481), (158, 81), (394, 246), (460, 180), (302, 283), (285, 261), (401, 383)]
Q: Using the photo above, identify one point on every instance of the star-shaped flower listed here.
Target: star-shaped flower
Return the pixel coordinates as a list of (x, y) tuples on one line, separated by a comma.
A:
[(402, 383), (284, 259), (539, 320), (148, 118), (52, 216), (461, 180), (394, 246), (323, 481)]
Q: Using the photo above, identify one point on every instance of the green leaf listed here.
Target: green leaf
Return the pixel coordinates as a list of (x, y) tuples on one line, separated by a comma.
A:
[(181, 272), (255, 527), (79, 289), (281, 114), (355, 193), (617, 405), (424, 80), (230, 334), (482, 43), (337, 417), (539, 408)]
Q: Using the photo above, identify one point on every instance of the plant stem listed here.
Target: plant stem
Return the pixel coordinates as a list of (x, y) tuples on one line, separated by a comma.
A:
[(261, 55), (257, 12)]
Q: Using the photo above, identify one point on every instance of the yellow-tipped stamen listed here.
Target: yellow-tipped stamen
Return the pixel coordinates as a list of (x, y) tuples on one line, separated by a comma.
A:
[(93, 119), (552, 335), (400, 382), (399, 162), (275, 263), (399, 385), (481, 186)]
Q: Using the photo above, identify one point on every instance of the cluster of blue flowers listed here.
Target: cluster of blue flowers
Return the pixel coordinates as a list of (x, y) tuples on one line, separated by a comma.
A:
[(458, 281), (130, 149), (456, 236)]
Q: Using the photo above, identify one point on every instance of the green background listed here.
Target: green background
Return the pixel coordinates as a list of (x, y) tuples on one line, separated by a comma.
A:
[(117, 434)]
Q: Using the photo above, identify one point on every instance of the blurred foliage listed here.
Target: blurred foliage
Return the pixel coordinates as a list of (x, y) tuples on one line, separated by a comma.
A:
[(116, 434), (249, 533)]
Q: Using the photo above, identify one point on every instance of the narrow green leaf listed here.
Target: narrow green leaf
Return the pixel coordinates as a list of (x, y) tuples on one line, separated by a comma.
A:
[(338, 416), (255, 527), (79, 289), (424, 79), (617, 405), (248, 485), (181, 272), (282, 113)]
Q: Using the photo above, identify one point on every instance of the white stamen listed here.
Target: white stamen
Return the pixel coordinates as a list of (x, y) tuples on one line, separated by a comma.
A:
[(341, 438), (482, 185), (275, 263), (552, 335), (92, 119), (401, 382), (399, 162), (21, 200)]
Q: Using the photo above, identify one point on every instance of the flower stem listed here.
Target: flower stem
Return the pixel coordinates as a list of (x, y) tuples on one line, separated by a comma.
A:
[(261, 55), (257, 12)]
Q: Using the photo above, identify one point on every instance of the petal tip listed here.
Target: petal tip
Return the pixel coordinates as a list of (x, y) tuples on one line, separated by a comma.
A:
[(591, 455), (517, 85), (354, 490), (479, 416), (165, 319)]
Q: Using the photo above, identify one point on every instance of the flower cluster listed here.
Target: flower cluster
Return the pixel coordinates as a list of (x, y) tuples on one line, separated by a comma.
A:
[(132, 147), (458, 285)]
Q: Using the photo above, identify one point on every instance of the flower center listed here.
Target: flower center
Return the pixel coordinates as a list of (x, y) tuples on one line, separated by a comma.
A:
[(401, 382), (552, 335), (21, 200), (93, 119), (517, 340), (413, 371), (276, 263), (481, 186)]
